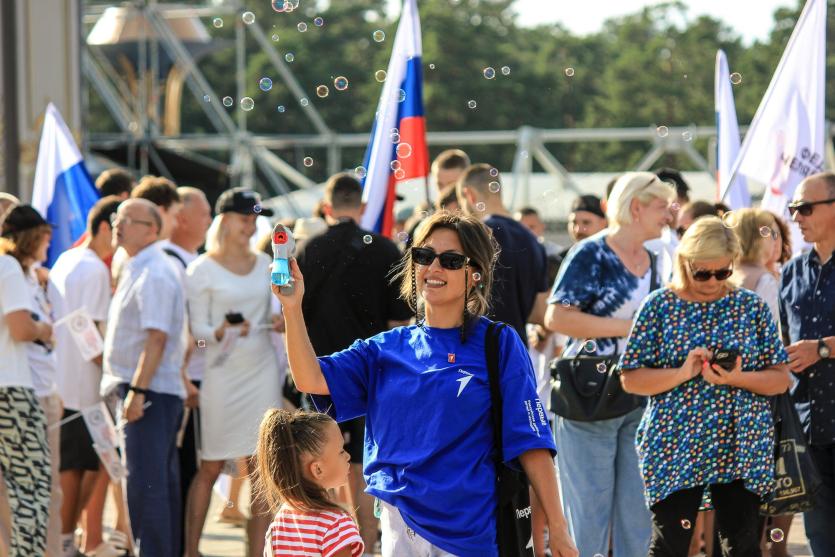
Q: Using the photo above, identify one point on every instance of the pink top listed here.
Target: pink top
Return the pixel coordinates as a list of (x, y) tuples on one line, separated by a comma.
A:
[(317, 534)]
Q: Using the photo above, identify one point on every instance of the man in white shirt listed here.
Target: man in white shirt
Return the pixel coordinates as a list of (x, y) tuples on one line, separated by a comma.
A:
[(143, 355), (189, 234), (80, 279)]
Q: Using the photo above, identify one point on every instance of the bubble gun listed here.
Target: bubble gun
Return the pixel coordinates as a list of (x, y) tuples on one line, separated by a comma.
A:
[(283, 246)]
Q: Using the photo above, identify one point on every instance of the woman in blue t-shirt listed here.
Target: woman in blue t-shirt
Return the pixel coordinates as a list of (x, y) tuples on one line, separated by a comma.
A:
[(424, 391)]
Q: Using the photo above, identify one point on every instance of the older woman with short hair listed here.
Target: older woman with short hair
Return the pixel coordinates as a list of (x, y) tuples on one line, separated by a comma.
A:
[(598, 291), (758, 235), (708, 423)]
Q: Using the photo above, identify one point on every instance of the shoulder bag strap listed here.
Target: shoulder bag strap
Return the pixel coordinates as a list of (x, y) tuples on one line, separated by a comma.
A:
[(176, 256), (491, 349), (654, 283)]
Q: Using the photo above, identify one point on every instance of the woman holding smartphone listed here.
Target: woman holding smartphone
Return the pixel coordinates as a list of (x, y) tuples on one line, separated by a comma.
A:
[(708, 355), (230, 315)]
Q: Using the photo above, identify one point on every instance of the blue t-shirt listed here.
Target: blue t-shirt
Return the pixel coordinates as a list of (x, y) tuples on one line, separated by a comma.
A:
[(428, 435)]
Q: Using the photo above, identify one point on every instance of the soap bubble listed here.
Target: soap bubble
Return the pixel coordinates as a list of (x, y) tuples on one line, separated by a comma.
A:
[(394, 164), (403, 237), (302, 27), (401, 95), (590, 346), (308, 161), (476, 276), (505, 70), (280, 108), (275, 37), (494, 187), (367, 239), (687, 135), (284, 5), (404, 150), (395, 137), (776, 535), (736, 78), (685, 524), (318, 22), (322, 91), (730, 219), (601, 367), (257, 208), (494, 172), (480, 207), (569, 72), (662, 131), (303, 101), (765, 231), (207, 98), (340, 83), (471, 104), (565, 303), (378, 36), (489, 73), (227, 101), (217, 22), (399, 174), (380, 75), (360, 171), (674, 206), (265, 84), (248, 18), (431, 66), (201, 343), (289, 57), (247, 104)]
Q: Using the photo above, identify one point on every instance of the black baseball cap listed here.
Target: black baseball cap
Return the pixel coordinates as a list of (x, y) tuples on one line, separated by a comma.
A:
[(589, 203), (239, 200), (21, 217)]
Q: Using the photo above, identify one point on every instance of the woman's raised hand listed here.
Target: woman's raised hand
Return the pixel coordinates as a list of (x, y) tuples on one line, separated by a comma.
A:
[(293, 299)]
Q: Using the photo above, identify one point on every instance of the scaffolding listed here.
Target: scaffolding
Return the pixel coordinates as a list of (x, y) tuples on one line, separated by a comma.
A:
[(156, 34)]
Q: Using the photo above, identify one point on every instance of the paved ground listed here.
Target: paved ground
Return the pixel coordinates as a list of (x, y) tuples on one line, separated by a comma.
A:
[(224, 540)]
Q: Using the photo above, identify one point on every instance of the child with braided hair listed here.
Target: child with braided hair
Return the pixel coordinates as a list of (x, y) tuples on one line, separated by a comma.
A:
[(300, 456)]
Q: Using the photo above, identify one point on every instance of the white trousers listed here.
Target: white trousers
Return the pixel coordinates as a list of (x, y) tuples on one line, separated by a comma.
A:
[(398, 540)]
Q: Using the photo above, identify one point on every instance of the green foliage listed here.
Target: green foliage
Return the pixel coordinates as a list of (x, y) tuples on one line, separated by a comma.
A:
[(654, 67)]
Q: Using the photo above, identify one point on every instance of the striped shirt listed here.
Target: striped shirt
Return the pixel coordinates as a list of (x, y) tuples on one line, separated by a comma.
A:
[(311, 534)]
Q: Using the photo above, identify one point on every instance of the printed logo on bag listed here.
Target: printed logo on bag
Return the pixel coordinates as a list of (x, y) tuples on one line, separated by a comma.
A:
[(523, 513), (788, 477)]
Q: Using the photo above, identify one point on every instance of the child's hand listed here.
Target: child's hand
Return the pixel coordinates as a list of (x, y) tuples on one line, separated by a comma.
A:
[(293, 299)]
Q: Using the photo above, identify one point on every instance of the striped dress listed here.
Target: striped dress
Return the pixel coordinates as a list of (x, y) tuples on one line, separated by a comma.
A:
[(311, 534)]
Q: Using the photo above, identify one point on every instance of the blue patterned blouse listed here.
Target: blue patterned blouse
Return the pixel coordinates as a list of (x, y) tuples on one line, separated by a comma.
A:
[(699, 433)]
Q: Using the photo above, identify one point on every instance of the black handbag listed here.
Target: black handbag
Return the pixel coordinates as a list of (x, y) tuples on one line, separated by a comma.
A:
[(513, 509), (587, 388), (796, 477)]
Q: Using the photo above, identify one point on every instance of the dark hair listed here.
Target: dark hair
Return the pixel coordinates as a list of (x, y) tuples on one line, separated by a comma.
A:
[(674, 177), (450, 158), (114, 181), (448, 195), (526, 212), (343, 191), (158, 190), (23, 244), (478, 245), (478, 177), (101, 212), (283, 438), (785, 239), (698, 209)]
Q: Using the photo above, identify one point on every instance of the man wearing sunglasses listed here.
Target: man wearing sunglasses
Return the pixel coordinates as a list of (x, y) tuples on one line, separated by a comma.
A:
[(520, 288), (807, 314)]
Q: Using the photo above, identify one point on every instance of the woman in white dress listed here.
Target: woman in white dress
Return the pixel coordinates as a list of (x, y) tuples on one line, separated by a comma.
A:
[(231, 318)]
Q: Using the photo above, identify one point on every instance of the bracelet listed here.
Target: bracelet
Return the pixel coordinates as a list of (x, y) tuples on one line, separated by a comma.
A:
[(138, 390)]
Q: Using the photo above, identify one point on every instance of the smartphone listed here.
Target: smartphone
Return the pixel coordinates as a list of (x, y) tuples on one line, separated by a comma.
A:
[(234, 318), (725, 358)]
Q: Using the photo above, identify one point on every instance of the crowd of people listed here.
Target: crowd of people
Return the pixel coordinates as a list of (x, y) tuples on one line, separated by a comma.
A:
[(693, 317)]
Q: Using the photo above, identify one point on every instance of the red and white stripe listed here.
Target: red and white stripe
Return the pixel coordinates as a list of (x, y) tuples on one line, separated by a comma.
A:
[(321, 534)]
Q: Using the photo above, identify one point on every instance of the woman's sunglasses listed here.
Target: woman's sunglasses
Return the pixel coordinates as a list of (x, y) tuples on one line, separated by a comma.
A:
[(703, 275), (805, 208), (448, 260)]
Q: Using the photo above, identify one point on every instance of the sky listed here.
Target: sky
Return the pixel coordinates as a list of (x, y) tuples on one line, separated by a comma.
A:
[(752, 19)]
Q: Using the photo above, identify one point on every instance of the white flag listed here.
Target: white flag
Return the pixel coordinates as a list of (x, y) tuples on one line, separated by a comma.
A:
[(727, 137), (785, 142)]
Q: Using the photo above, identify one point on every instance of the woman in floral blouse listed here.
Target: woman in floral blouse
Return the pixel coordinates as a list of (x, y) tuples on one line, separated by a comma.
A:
[(706, 431)]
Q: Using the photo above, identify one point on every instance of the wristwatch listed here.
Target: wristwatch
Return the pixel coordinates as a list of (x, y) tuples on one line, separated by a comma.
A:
[(823, 350)]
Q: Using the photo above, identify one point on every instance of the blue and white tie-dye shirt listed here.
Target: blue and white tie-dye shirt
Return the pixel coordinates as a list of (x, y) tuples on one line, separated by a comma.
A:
[(594, 279)]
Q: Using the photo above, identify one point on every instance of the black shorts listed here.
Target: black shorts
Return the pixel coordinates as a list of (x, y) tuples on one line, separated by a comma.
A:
[(77, 452), (353, 431)]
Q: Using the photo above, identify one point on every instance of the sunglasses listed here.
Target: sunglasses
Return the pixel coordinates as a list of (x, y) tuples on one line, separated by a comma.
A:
[(805, 208), (703, 275), (448, 260)]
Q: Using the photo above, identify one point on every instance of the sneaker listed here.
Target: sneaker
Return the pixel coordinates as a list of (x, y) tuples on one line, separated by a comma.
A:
[(104, 549)]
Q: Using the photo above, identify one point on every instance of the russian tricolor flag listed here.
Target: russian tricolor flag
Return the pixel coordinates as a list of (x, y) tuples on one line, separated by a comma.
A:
[(64, 191), (397, 152)]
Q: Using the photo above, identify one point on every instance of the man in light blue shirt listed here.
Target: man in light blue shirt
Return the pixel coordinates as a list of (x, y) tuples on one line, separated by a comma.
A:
[(143, 355)]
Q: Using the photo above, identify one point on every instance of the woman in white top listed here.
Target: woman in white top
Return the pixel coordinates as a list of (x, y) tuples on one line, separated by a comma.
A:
[(759, 240), (24, 453), (241, 379)]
